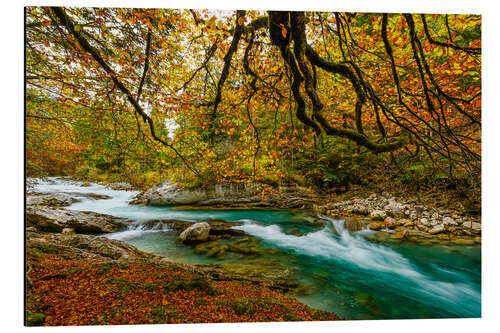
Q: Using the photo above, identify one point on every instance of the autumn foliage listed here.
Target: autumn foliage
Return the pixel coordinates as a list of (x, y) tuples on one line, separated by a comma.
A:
[(198, 96)]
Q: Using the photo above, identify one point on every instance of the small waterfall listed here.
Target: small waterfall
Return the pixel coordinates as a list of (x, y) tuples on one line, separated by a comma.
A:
[(135, 231)]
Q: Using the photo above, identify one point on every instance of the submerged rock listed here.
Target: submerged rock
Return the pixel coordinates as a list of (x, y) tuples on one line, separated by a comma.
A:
[(400, 235), (461, 241)]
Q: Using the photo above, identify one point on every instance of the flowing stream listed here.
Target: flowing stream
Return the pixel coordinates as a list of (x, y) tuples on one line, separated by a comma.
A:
[(344, 272)]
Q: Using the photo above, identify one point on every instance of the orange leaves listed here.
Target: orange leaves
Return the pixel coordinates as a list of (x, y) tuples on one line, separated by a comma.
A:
[(96, 292), (283, 30)]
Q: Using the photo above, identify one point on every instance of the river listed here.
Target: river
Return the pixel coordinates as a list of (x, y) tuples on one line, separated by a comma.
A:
[(344, 272)]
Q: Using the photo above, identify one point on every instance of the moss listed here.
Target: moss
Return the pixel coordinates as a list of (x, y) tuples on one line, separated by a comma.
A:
[(199, 284), (45, 249), (151, 286), (34, 319), (243, 306), (105, 267), (72, 271), (124, 285), (163, 314)]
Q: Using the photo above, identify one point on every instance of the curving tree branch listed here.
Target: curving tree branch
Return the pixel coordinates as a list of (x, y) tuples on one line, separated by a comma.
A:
[(70, 26)]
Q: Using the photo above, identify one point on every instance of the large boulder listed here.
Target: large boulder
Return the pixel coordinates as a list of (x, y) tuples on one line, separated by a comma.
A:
[(55, 220), (198, 232), (225, 195)]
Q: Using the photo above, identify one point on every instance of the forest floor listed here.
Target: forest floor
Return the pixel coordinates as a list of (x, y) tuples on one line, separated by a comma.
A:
[(81, 286)]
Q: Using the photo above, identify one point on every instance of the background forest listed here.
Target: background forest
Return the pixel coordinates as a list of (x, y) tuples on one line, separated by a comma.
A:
[(332, 101)]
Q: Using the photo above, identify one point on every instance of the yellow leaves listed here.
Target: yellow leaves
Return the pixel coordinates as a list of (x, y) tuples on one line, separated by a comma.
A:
[(241, 20), (211, 23)]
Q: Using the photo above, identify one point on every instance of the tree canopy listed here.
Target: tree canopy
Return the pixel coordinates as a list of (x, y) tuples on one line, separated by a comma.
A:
[(305, 97)]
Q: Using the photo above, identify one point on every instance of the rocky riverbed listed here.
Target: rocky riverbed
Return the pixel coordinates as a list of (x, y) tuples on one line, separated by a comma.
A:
[(396, 218)]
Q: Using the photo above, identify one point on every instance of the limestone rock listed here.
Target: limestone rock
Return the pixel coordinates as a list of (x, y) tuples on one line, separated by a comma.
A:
[(394, 208), (360, 209), (229, 194), (51, 200), (390, 222), (198, 232), (85, 246), (55, 220), (472, 225), (68, 231), (378, 215), (437, 229), (424, 221), (449, 221)]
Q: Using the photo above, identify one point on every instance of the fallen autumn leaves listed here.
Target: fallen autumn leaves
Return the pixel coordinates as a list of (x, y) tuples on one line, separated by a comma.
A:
[(70, 290)]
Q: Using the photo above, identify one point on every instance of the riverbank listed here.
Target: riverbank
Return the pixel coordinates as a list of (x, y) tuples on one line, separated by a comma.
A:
[(75, 277), (394, 217), (114, 283), (313, 258)]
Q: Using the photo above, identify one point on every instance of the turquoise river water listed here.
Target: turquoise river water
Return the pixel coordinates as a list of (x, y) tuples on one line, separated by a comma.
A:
[(345, 273)]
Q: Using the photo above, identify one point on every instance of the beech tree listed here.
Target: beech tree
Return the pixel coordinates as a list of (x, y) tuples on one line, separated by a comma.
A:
[(232, 96)]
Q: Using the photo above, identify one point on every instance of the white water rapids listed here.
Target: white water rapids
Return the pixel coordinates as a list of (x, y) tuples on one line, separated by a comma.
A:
[(406, 279)]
